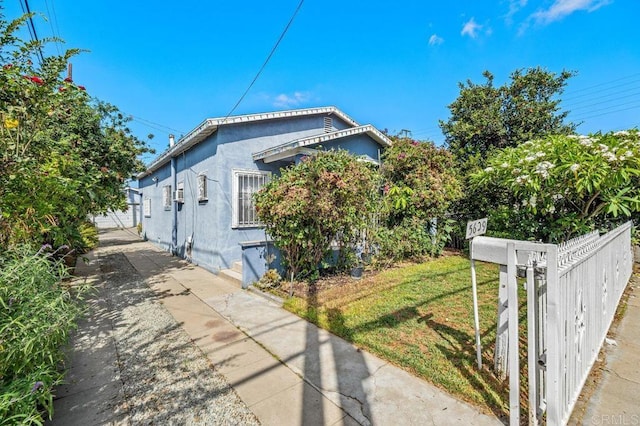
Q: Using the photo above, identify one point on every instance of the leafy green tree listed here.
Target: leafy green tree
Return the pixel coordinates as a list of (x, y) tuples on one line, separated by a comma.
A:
[(486, 117), (63, 156), (562, 186), (327, 196)]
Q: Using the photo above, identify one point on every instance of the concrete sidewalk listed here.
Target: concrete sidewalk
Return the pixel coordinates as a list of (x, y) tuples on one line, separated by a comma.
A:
[(288, 371)]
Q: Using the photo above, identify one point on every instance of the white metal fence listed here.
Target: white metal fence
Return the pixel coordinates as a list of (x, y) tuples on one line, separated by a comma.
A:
[(573, 290)]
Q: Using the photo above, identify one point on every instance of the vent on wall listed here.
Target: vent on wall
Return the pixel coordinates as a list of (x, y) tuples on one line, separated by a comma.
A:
[(328, 125)]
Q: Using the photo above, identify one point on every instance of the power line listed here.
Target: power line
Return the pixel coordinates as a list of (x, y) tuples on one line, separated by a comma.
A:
[(608, 110), (273, 50), (53, 21), (157, 126), (607, 101), (602, 84), (32, 31)]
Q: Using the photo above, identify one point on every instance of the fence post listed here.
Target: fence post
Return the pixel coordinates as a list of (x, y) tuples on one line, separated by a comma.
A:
[(501, 364), (532, 347), (554, 394), (514, 361)]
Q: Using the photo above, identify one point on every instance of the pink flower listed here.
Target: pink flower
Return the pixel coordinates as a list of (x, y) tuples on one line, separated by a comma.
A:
[(8, 66), (68, 80), (401, 156), (414, 143), (82, 87)]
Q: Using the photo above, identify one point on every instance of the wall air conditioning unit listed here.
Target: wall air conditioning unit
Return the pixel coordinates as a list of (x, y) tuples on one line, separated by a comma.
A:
[(178, 196)]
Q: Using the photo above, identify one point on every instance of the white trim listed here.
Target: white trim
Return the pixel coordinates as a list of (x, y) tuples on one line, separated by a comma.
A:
[(281, 151), (235, 195), (209, 126)]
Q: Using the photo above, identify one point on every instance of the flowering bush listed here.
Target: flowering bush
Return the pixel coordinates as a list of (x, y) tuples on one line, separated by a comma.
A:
[(327, 196), (420, 185), (62, 155), (561, 186)]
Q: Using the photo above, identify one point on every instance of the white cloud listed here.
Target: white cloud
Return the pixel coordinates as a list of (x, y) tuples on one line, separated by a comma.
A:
[(561, 8), (471, 28), (514, 7), (434, 40), (284, 100)]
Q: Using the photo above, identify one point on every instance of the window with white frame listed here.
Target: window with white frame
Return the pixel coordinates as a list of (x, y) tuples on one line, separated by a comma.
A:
[(202, 188), (245, 184), (166, 197), (180, 193), (146, 207)]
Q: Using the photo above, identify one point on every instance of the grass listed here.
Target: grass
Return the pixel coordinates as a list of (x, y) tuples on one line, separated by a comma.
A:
[(420, 317)]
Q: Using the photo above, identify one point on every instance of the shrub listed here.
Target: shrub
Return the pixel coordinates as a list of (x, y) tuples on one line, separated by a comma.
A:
[(420, 186), (561, 186), (327, 197), (36, 314)]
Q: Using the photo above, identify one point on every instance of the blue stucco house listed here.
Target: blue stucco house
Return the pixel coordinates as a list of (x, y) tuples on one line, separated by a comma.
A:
[(197, 196)]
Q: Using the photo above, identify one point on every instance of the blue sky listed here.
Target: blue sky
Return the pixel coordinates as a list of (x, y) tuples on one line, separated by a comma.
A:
[(395, 65)]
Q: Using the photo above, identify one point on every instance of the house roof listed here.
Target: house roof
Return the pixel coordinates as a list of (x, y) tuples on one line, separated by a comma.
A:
[(211, 125), (294, 147)]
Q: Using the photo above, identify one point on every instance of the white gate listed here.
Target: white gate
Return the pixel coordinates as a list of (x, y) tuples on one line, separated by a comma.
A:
[(573, 290)]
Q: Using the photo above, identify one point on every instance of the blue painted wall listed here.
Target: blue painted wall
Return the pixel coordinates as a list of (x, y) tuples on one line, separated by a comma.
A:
[(215, 245)]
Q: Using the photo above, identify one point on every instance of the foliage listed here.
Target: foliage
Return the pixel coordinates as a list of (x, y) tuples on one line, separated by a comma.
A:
[(421, 183), (270, 279), (562, 186), (36, 315), (328, 196), (89, 237), (411, 239), (485, 117), (63, 156)]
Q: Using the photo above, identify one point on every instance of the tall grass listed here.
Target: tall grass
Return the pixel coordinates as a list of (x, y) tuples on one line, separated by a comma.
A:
[(37, 312)]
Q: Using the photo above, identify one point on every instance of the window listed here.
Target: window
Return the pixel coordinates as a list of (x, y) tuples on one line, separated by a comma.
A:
[(166, 197), (245, 184), (146, 207), (202, 187), (180, 193), (328, 125)]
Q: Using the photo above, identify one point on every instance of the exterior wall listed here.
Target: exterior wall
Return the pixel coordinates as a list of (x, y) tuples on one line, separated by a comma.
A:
[(157, 227), (128, 218), (204, 229), (258, 258), (119, 219)]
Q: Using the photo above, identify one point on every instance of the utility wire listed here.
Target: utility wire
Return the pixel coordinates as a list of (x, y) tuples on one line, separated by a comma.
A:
[(52, 21), (273, 50), (602, 84), (34, 34)]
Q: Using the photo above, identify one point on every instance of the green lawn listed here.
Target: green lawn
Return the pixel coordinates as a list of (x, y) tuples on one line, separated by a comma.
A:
[(420, 317)]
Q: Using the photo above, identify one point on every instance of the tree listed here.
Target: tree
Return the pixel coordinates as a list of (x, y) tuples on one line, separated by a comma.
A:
[(562, 186), (486, 117), (63, 156), (327, 196)]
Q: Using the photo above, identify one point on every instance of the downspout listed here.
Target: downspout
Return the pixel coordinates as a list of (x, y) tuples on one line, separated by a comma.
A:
[(174, 209)]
